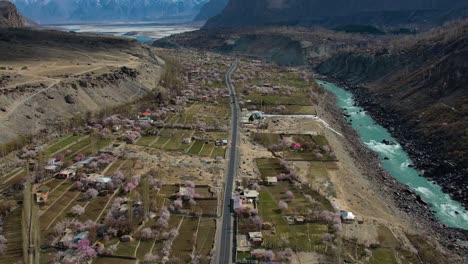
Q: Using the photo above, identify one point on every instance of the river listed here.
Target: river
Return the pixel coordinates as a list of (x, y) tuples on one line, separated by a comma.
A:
[(448, 211), (141, 31)]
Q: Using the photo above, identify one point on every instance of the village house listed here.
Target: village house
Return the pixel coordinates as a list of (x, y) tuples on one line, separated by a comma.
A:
[(347, 217), (41, 196), (66, 173), (299, 219), (99, 181), (219, 142), (256, 238), (51, 169), (272, 181), (250, 194), (82, 163)]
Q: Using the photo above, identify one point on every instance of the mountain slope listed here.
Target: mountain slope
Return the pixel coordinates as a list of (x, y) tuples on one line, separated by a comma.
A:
[(9, 16), (336, 12), (211, 9), (48, 77), (418, 87), (50, 11)]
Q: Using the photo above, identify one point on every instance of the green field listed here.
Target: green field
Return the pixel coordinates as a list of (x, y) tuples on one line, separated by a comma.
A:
[(270, 167), (305, 237), (62, 143)]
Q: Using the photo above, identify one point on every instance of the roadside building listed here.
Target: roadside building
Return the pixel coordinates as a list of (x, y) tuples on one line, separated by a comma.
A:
[(250, 194), (256, 238)]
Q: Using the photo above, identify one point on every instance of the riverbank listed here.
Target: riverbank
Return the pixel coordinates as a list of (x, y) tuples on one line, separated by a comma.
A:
[(409, 204)]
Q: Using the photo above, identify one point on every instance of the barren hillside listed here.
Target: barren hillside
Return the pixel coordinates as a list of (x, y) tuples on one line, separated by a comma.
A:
[(49, 76), (9, 16)]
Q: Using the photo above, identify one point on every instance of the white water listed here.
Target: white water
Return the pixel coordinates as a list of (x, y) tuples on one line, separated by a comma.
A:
[(448, 211)]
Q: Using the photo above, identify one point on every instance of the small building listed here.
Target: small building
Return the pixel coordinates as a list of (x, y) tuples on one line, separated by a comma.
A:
[(272, 180), (116, 128), (51, 169), (186, 140), (236, 202), (41, 196), (80, 236), (296, 146), (250, 194), (299, 219), (256, 238), (66, 173), (347, 217), (125, 238), (99, 180), (85, 162)]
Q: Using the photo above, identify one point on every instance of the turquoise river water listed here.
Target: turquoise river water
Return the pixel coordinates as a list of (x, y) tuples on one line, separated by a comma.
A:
[(447, 210)]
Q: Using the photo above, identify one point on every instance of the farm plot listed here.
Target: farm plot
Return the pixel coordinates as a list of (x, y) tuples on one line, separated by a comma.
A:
[(305, 237), (13, 235), (63, 143), (298, 147), (270, 167)]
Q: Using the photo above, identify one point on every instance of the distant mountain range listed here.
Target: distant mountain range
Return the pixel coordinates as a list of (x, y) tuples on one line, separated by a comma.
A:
[(240, 13), (53, 11)]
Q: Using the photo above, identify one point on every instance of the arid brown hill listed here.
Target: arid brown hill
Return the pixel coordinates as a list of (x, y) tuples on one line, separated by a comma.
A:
[(9, 16), (418, 86)]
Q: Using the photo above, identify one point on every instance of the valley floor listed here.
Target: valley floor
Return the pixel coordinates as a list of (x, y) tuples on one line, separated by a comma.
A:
[(146, 179)]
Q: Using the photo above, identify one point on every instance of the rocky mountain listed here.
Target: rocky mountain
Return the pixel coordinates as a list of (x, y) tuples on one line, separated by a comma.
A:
[(52, 11), (337, 12), (211, 9), (9, 16), (418, 87)]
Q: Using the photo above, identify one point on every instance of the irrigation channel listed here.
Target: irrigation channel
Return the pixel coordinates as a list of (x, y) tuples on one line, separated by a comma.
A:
[(447, 210)]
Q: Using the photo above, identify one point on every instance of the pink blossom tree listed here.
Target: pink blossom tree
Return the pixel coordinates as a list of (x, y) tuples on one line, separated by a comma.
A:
[(77, 210), (91, 193), (283, 206), (59, 157), (290, 195), (3, 242), (86, 251), (150, 259)]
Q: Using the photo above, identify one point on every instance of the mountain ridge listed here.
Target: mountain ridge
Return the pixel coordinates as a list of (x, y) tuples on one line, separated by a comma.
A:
[(241, 13), (9, 16), (53, 11)]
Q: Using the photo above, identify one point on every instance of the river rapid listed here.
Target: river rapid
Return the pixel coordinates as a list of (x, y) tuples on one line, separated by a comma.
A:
[(396, 161)]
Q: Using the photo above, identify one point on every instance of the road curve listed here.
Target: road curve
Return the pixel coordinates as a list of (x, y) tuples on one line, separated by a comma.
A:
[(225, 249)]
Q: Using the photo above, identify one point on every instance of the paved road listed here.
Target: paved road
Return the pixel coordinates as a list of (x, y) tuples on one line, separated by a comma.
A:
[(224, 253)]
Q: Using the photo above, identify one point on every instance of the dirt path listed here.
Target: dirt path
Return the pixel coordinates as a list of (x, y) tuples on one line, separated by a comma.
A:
[(17, 104)]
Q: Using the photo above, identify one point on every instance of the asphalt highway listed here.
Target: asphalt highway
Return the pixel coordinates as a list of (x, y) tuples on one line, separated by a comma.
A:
[(224, 254)]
